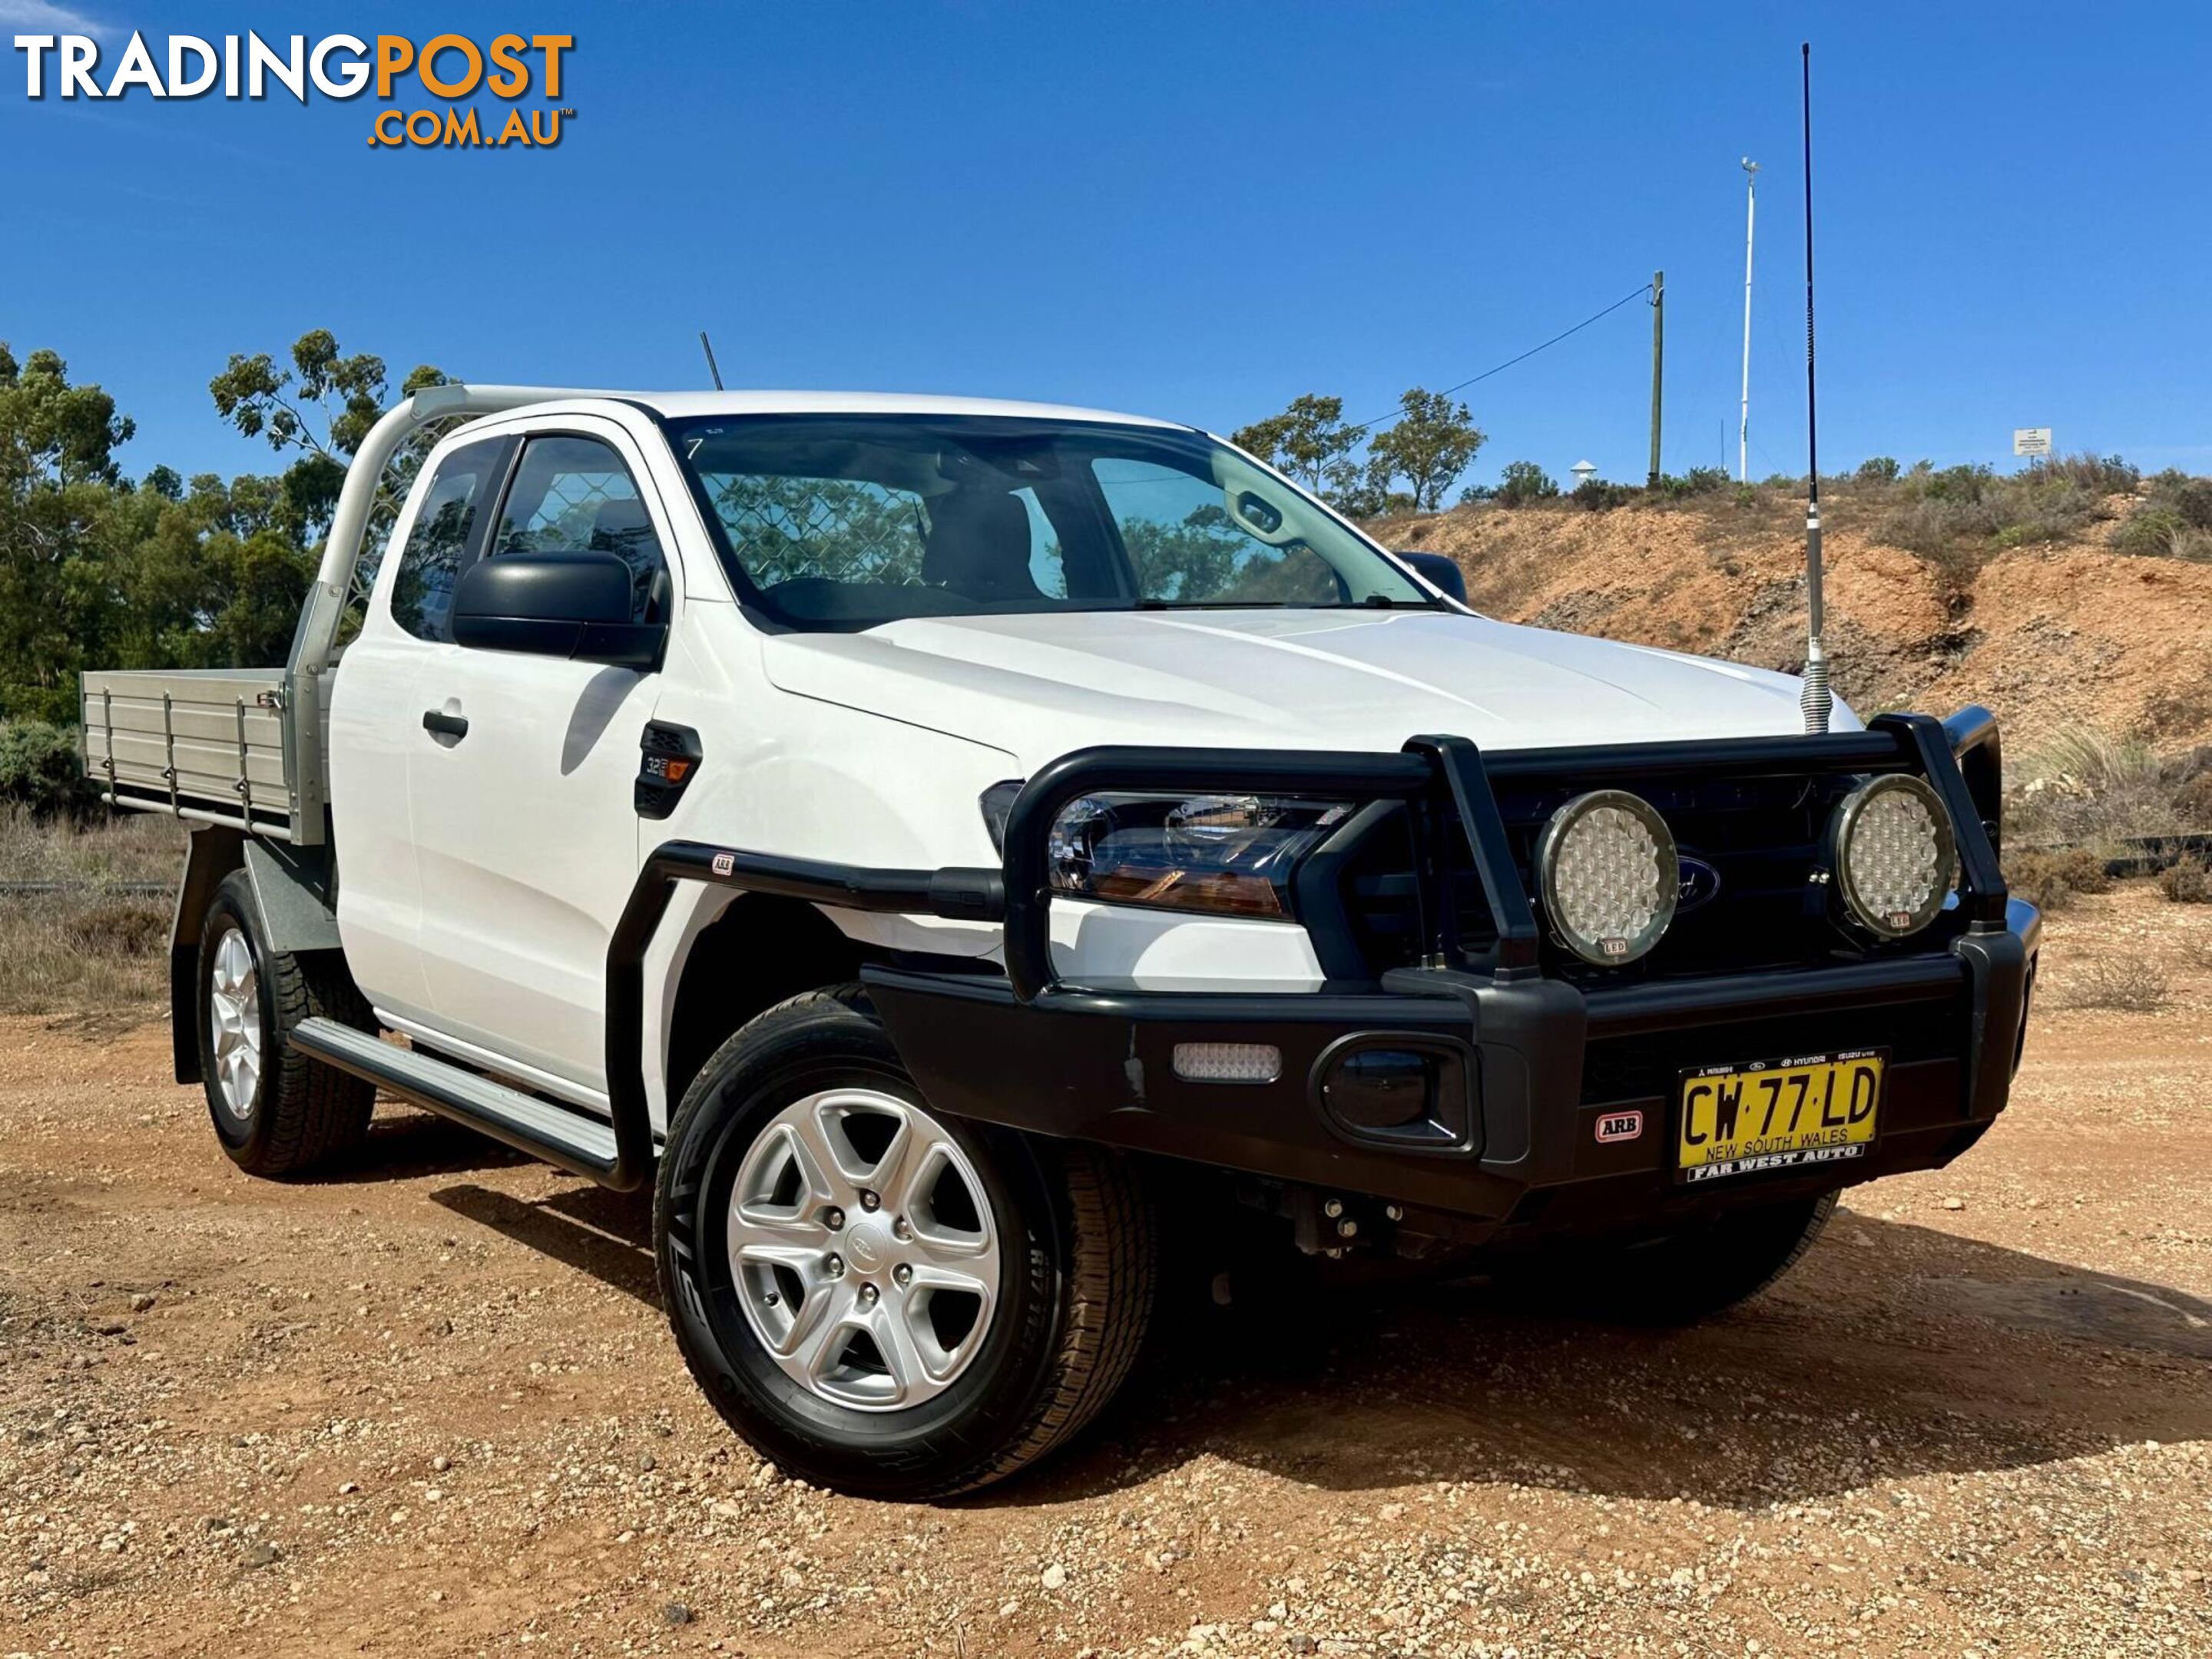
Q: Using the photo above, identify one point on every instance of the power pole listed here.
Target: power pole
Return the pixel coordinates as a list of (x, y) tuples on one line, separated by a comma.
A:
[(1750, 222), (1658, 358)]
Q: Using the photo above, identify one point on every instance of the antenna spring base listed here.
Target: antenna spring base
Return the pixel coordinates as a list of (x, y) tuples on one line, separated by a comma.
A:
[(1815, 699)]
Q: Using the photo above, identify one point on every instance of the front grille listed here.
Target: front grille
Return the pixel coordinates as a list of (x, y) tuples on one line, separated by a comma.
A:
[(1760, 834), (1647, 1064)]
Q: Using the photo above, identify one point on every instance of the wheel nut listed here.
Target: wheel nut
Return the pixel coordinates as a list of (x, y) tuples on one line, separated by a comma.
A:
[(902, 1274), (1395, 1212), (902, 1227), (1347, 1228), (1333, 1208), (868, 1295), (869, 1201), (833, 1218), (834, 1266)]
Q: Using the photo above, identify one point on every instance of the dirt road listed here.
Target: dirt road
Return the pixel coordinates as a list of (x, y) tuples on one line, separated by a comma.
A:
[(430, 1407)]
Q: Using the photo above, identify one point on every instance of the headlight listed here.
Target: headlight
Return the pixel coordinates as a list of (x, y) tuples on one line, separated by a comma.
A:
[(1610, 876), (1893, 856), (1232, 854)]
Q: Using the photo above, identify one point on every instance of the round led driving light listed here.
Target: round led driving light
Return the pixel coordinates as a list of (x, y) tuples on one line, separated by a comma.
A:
[(1893, 856), (1610, 876)]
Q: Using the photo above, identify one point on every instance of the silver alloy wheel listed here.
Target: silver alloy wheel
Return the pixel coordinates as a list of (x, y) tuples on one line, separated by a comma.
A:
[(234, 1021), (863, 1249)]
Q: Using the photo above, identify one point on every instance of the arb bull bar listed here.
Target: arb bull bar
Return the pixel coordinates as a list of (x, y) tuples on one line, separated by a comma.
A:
[(1519, 1065)]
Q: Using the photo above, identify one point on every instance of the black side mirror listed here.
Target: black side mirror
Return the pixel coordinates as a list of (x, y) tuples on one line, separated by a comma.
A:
[(1439, 571), (576, 605)]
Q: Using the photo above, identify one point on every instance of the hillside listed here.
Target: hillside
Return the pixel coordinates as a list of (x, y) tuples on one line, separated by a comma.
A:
[(2050, 637)]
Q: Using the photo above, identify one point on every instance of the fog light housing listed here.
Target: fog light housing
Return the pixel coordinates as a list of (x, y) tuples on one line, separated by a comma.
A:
[(1406, 1090), (1228, 1062), (1610, 876), (1894, 855), (1383, 1088)]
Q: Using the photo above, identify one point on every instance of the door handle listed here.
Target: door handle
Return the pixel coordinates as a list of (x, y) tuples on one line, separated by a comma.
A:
[(440, 724)]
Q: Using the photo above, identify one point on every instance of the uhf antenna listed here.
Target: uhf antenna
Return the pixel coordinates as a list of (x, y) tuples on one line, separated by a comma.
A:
[(1815, 699), (708, 346)]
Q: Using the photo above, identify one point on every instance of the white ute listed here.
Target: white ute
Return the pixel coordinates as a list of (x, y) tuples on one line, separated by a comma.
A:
[(927, 839)]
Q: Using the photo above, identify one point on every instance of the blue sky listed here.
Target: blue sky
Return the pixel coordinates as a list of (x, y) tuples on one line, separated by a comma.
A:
[(1198, 210)]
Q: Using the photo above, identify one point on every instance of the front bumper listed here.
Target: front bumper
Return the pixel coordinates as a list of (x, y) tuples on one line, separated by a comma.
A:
[(1523, 1063), (1546, 1063)]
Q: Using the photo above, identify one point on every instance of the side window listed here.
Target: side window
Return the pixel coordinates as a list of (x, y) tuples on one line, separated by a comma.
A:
[(430, 565), (575, 495)]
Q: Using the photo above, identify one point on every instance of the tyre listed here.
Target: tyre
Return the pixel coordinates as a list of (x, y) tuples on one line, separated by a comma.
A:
[(882, 1300), (276, 1112), (1680, 1278)]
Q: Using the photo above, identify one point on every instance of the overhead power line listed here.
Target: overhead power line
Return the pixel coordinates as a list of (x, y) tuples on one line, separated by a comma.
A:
[(1636, 293)]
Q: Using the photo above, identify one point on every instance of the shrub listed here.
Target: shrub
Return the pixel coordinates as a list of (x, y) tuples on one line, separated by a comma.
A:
[(2040, 509), (1955, 484), (2188, 881), (2189, 499), (51, 705), (1933, 526), (2128, 984), (2193, 802), (2051, 880), (2161, 532), (1597, 495), (1878, 469), (41, 770), (1523, 482), (2107, 475)]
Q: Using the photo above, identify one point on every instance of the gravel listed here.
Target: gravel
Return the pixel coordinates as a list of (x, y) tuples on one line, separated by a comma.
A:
[(430, 1407)]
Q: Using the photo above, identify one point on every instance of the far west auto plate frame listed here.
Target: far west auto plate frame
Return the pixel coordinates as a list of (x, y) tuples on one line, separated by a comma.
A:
[(1796, 1159)]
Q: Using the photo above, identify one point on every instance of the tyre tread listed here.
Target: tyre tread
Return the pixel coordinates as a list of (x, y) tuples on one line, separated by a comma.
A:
[(1115, 1266), (316, 1111), (1110, 1275)]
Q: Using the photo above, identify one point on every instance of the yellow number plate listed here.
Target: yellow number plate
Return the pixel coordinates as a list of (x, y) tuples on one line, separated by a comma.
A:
[(1778, 1114)]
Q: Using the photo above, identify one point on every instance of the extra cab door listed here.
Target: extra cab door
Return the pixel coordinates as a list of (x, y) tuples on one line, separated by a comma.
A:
[(520, 780), (376, 724)]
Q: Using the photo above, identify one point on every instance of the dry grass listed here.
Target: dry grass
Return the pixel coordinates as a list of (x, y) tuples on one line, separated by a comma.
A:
[(127, 846), (2051, 880), (66, 953), (2083, 787), (91, 947), (2127, 984)]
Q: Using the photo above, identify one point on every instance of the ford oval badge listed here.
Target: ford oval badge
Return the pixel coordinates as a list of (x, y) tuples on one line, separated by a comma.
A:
[(1701, 884)]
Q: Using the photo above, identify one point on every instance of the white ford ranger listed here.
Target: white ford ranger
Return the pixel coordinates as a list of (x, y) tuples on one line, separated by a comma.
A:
[(922, 836)]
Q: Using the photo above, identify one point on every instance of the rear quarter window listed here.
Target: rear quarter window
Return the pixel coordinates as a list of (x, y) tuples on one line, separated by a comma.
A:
[(441, 539)]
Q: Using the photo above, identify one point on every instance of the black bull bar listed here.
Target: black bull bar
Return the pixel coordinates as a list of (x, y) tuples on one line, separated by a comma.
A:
[(1032, 1052)]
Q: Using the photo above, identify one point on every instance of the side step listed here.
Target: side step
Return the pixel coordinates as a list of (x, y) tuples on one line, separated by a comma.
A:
[(562, 1136)]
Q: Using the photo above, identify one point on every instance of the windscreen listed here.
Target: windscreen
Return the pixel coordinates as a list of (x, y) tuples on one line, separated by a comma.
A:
[(847, 521)]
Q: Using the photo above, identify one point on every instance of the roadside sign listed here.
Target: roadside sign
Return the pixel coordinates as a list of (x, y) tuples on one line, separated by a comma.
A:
[(2031, 441)]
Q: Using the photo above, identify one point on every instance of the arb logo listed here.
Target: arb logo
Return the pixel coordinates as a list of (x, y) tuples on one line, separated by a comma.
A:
[(1620, 1126)]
